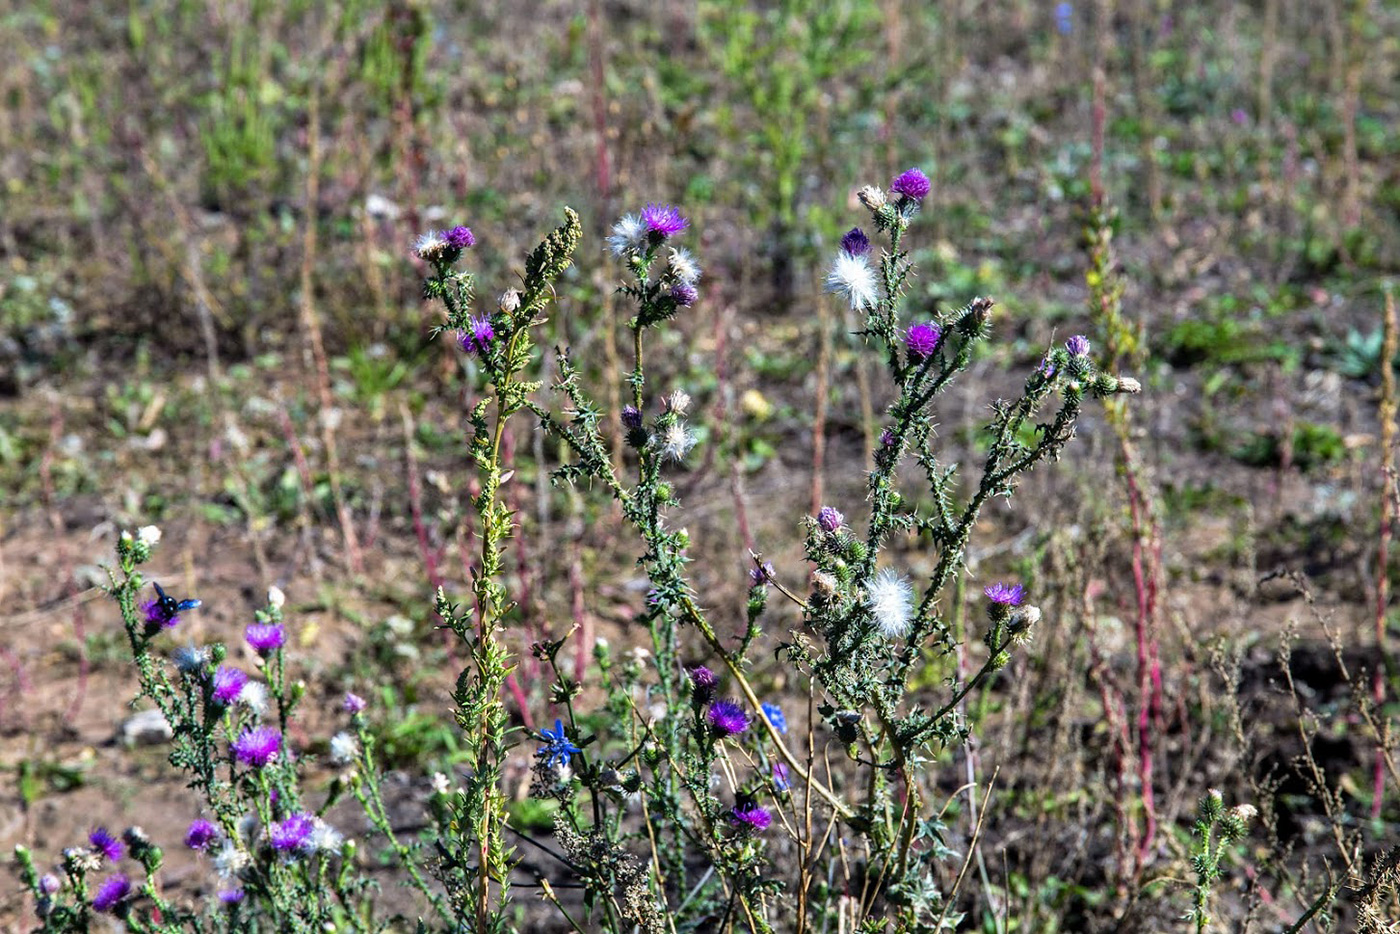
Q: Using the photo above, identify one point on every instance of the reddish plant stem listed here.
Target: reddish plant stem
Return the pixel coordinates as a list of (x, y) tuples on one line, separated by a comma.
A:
[(1387, 429), (1149, 666)]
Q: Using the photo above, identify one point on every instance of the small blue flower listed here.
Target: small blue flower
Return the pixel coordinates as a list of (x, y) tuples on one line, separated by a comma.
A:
[(1064, 18), (557, 748), (774, 713)]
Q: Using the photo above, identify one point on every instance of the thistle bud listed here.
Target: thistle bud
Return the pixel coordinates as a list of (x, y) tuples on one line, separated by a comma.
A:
[(509, 301)]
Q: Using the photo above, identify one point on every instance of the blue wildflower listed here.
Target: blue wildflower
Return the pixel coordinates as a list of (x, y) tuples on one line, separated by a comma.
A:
[(774, 713), (557, 748)]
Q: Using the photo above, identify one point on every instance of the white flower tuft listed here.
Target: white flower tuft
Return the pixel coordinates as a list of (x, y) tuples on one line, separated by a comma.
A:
[(440, 784), (344, 748), (275, 597), (430, 246), (231, 859), (676, 441), (628, 234), (852, 277), (324, 837), (678, 402), (890, 597), (190, 659), (684, 267), (148, 535), (254, 697)]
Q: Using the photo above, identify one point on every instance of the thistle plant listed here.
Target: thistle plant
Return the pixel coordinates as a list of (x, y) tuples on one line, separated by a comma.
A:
[(673, 777), (1217, 829)]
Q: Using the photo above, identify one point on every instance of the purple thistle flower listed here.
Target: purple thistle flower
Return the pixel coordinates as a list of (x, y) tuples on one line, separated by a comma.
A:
[(774, 715), (231, 896), (750, 817), (761, 574), (912, 184), (353, 703), (1078, 345), (887, 438), (703, 682), (201, 834), (459, 237), (631, 417), (1005, 594), (257, 746), (830, 519), (291, 833), (106, 844), (922, 340), (49, 884), (156, 617), (780, 777), (684, 294), (663, 220), (113, 890), (727, 718), (477, 338), (1046, 368), (855, 242), (265, 637), (228, 683)]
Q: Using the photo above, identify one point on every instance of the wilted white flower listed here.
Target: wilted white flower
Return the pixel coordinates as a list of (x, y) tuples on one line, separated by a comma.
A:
[(254, 697), (430, 246), (509, 302), (891, 600), (872, 197), (191, 659), (344, 748), (324, 837), (275, 597), (148, 535), (676, 441), (1129, 385), (628, 234), (684, 267), (1244, 812), (853, 278), (824, 582), (231, 859), (678, 402)]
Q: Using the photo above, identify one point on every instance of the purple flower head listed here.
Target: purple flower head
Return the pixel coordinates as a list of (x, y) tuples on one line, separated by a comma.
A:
[(49, 884), (231, 896), (887, 438), (257, 746), (113, 890), (780, 777), (912, 184), (1004, 594), (478, 336), (353, 703), (291, 833), (266, 637), (557, 750), (703, 682), (830, 519), (684, 294), (922, 340), (631, 417), (105, 844), (663, 220), (1240, 116), (228, 683), (1064, 18), (459, 237), (855, 242), (1046, 368), (761, 574), (774, 715), (201, 834), (727, 718), (750, 817), (1078, 345)]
